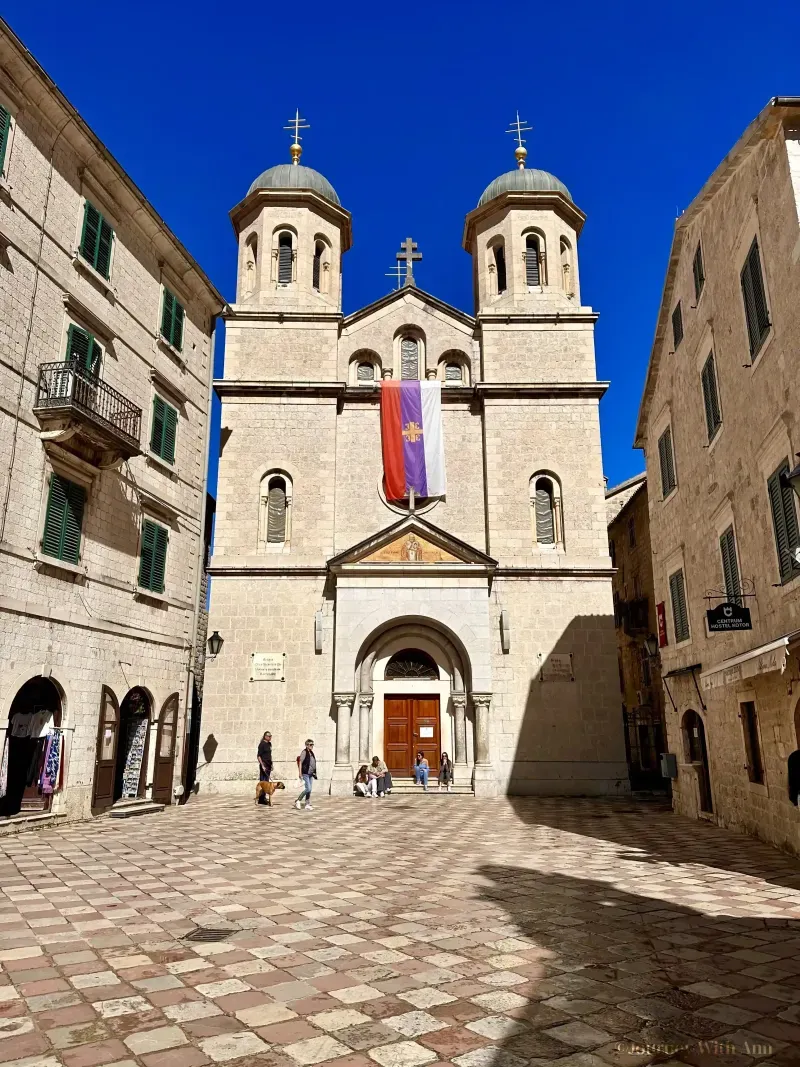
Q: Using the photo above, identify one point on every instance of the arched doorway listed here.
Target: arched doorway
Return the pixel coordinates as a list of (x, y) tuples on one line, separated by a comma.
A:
[(32, 762), (697, 754), (411, 719), (106, 753), (165, 750), (130, 765)]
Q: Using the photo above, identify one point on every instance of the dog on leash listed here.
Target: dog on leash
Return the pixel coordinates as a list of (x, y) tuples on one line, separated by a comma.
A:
[(266, 789)]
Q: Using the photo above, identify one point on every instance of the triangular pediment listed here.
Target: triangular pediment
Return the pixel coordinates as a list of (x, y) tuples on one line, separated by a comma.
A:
[(412, 542), (410, 294)]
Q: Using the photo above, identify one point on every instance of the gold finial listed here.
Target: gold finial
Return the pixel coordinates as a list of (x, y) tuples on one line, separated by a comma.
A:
[(296, 125), (518, 127)]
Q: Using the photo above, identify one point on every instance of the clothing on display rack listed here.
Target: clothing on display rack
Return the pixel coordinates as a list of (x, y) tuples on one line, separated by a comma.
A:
[(52, 762)]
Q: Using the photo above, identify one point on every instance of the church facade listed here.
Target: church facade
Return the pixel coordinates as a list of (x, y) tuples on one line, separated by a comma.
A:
[(479, 623)]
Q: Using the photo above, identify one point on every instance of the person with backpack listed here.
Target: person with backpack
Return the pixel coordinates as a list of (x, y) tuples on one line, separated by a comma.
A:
[(307, 771)]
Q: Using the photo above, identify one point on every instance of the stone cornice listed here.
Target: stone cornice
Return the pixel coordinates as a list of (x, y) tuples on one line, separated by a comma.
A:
[(508, 390), (525, 200), (371, 394), (506, 317), (245, 313), (259, 198), (229, 387)]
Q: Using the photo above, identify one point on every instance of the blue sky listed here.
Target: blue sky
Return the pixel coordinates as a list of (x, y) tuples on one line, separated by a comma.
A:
[(632, 106)]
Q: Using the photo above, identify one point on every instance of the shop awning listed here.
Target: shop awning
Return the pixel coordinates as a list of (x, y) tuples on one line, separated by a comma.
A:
[(761, 660)]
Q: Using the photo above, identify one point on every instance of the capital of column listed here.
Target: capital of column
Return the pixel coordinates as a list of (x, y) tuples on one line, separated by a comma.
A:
[(366, 699), (481, 700), (459, 700), (344, 700)]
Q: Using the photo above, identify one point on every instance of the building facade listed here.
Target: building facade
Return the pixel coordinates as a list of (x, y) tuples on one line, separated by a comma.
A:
[(479, 624), (636, 626), (106, 360), (718, 423)]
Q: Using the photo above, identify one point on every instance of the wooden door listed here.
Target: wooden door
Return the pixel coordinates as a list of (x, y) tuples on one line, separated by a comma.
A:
[(410, 724), (106, 753), (425, 731), (165, 750)]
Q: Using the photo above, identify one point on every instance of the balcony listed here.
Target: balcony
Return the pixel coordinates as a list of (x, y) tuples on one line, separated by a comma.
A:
[(85, 415), (633, 615)]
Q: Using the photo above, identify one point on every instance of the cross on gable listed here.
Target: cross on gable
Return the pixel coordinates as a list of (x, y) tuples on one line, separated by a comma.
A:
[(408, 252)]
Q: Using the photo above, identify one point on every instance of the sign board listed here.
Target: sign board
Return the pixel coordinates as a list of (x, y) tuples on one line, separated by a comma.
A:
[(267, 666), (661, 615), (558, 668), (726, 617), (426, 731)]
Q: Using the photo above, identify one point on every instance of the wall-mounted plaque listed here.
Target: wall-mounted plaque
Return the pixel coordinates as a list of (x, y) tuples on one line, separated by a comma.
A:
[(558, 668), (268, 667), (426, 731)]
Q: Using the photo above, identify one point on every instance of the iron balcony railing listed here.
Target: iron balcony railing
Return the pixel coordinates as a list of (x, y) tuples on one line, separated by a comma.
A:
[(68, 385)]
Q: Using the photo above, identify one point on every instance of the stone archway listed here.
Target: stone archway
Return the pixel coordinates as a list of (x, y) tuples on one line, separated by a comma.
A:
[(130, 775), (33, 748)]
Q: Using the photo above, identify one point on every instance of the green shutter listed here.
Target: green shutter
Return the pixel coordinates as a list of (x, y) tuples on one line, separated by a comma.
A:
[(698, 271), (103, 258), (153, 558), (164, 429), (677, 325), (83, 349), (157, 428), (680, 618), (730, 566), (784, 522), (172, 316), (711, 396), (96, 240), (177, 326), (170, 432), (63, 520), (755, 299), (667, 462), (5, 126)]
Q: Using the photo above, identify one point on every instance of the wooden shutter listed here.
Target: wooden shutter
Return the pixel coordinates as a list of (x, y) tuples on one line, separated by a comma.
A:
[(105, 240), (545, 527), (91, 232), (79, 346), (177, 325), (153, 558), (755, 300), (284, 259), (159, 559), (667, 462), (677, 325), (730, 566), (680, 618), (409, 358), (276, 512), (532, 261), (167, 312), (63, 519), (170, 432), (317, 267), (5, 126), (157, 428), (698, 271), (784, 522), (711, 396)]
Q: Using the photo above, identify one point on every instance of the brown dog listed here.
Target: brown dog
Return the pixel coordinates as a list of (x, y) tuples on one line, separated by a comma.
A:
[(266, 789)]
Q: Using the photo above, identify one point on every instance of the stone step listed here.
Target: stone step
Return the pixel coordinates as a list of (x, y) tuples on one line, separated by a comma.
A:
[(408, 785), (127, 809)]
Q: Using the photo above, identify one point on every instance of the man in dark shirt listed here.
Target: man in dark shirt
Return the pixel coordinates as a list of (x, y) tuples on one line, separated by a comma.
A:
[(265, 759), (307, 771)]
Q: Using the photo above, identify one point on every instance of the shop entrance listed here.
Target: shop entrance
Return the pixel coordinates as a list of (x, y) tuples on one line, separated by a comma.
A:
[(697, 753), (130, 765), (165, 751), (32, 762)]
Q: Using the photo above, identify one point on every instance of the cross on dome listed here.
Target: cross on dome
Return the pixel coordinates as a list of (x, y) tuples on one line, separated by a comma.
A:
[(297, 124), (517, 128)]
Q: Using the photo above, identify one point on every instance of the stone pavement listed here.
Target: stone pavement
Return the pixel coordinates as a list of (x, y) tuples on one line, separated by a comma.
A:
[(399, 932)]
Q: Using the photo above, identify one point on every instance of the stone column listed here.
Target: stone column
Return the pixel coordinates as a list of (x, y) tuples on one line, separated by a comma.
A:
[(342, 777), (484, 781), (364, 716), (460, 712)]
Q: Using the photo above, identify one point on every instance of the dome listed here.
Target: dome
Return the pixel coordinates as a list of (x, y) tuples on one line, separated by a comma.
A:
[(523, 181), (295, 176)]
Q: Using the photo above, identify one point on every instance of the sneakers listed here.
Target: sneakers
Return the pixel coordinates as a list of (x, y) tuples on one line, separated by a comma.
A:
[(449, 789), (298, 805), (309, 808)]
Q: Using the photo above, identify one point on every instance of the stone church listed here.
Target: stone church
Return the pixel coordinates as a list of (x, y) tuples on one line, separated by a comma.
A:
[(479, 623)]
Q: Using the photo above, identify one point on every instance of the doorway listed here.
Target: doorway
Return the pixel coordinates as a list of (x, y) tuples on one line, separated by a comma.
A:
[(34, 722), (165, 750), (130, 765), (697, 754), (411, 724)]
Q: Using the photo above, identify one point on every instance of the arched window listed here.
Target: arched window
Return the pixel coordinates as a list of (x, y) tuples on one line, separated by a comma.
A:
[(412, 663), (365, 372), (545, 496), (566, 266), (532, 250), (274, 511), (409, 358), (285, 259), (453, 372), (250, 265), (319, 252), (500, 267)]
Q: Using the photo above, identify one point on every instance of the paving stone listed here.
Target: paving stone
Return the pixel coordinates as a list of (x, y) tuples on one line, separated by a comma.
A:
[(226, 1047), (155, 1040), (316, 1050), (338, 1019), (403, 1054)]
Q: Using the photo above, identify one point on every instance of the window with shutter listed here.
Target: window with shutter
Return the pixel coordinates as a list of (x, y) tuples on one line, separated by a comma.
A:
[(500, 267), (708, 378), (698, 271), (63, 520), (285, 259), (680, 616), (5, 129), (97, 239), (276, 512), (666, 462), (84, 349), (677, 326), (453, 372), (163, 429), (532, 261), (365, 372), (409, 358), (755, 299), (545, 524), (784, 522), (319, 248), (172, 316), (730, 566), (153, 556)]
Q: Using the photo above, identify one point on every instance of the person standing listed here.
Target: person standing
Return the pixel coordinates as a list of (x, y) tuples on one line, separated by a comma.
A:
[(264, 761), (307, 771), (421, 771)]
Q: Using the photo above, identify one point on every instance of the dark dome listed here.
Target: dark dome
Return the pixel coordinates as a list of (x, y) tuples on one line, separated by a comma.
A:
[(295, 176), (523, 181)]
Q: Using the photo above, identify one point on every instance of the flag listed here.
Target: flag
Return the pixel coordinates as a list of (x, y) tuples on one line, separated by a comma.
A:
[(413, 445)]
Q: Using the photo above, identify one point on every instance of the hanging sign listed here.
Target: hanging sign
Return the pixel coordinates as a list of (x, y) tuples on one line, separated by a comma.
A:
[(267, 667), (727, 617), (661, 615)]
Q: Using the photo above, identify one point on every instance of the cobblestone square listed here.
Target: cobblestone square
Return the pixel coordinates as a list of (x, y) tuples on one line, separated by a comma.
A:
[(403, 932)]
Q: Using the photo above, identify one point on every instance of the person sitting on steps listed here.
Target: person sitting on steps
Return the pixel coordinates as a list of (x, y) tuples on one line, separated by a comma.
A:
[(446, 773), (421, 771)]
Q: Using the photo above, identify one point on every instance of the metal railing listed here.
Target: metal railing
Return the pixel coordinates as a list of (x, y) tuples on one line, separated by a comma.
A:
[(68, 385)]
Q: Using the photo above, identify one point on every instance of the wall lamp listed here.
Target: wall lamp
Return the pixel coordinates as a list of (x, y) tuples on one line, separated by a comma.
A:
[(651, 646), (215, 643)]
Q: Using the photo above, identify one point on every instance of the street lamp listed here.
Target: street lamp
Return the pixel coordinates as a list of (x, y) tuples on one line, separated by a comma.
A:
[(215, 643), (651, 645)]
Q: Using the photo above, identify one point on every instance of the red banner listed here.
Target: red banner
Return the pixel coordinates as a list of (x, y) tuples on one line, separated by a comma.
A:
[(662, 624)]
